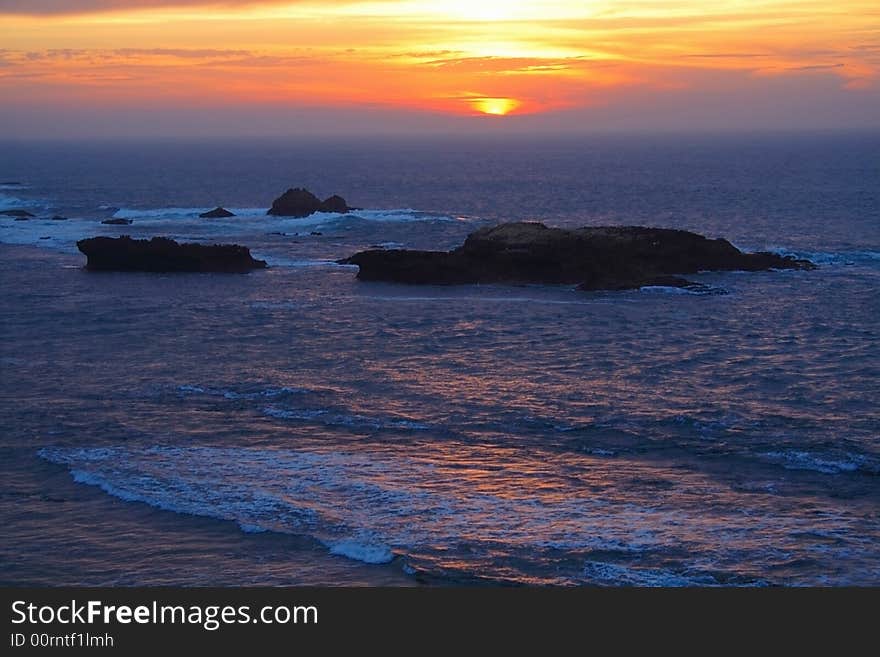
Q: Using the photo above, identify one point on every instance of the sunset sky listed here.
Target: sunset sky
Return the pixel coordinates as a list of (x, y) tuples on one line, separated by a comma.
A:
[(153, 67)]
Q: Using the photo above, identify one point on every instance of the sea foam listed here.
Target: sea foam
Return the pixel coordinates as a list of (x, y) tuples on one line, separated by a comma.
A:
[(436, 509)]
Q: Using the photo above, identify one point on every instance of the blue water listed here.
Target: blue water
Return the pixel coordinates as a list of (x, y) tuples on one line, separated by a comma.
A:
[(296, 426)]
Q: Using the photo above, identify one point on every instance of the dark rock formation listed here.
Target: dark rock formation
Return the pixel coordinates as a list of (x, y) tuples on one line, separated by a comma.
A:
[(161, 254), (10, 183), (604, 258), (21, 214), (217, 213), (295, 203), (118, 222), (302, 203), (58, 217), (336, 204)]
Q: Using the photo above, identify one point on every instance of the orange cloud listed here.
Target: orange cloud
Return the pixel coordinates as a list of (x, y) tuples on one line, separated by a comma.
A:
[(44, 7), (494, 57)]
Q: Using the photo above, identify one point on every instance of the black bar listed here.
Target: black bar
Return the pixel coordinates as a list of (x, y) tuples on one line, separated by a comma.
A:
[(377, 618)]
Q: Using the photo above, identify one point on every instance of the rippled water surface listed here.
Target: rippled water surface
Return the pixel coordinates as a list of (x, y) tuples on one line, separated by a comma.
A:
[(296, 426)]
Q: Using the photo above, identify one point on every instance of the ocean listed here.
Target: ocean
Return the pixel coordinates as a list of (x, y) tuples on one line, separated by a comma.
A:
[(295, 426)]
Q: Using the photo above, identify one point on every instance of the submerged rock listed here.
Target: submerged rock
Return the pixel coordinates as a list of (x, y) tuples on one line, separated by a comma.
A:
[(58, 217), (161, 254), (21, 214), (118, 222), (217, 213), (603, 258), (636, 283), (300, 202)]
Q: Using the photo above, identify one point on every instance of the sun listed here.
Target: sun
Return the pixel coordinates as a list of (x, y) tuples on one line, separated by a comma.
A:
[(494, 106)]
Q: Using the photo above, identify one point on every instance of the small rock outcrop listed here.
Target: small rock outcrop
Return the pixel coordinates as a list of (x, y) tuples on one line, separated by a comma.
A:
[(299, 202), (602, 258), (118, 222), (161, 254), (20, 214), (217, 213), (334, 203)]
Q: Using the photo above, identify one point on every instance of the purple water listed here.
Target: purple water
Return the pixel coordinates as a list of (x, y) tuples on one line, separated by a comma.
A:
[(296, 426)]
